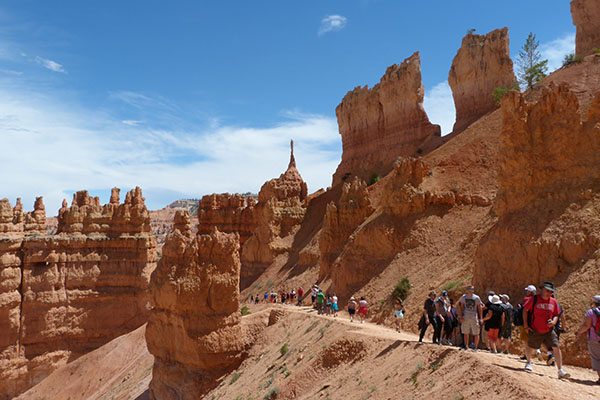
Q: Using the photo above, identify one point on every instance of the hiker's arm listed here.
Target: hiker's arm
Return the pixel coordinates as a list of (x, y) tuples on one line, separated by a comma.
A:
[(525, 320), (585, 326), (503, 319), (480, 310)]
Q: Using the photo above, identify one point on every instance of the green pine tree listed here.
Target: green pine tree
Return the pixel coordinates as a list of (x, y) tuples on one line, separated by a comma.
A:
[(531, 69)]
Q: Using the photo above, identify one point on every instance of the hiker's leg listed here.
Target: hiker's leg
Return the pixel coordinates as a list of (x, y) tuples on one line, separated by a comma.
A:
[(557, 356), (528, 353), (422, 333), (466, 340), (476, 341)]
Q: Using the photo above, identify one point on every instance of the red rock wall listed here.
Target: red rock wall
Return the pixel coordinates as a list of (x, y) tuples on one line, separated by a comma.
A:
[(586, 17), (230, 213), (482, 64), (194, 330), (380, 124), (66, 294)]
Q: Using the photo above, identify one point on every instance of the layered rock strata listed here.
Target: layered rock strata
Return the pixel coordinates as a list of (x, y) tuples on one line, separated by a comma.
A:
[(280, 210), (586, 17), (380, 124), (66, 294), (481, 65), (194, 330), (229, 213)]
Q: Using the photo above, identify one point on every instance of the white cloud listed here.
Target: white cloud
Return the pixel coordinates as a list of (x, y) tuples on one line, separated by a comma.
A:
[(54, 147), (131, 122), (332, 23), (556, 50), (49, 64), (439, 105)]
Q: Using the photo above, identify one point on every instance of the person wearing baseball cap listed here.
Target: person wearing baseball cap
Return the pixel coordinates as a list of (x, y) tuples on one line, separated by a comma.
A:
[(470, 314), (540, 315), (591, 328)]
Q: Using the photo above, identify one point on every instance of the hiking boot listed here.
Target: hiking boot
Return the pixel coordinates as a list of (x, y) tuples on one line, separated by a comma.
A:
[(550, 361), (562, 374), (523, 357), (528, 367)]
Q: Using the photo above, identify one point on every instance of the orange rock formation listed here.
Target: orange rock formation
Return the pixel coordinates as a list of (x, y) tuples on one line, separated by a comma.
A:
[(586, 17), (66, 294), (194, 330), (482, 64), (229, 213), (377, 125)]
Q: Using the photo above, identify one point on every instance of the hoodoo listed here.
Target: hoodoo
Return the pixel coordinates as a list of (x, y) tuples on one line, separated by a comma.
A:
[(380, 124), (481, 65), (586, 17)]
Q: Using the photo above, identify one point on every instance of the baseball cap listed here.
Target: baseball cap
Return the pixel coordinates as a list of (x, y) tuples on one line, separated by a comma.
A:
[(531, 288)]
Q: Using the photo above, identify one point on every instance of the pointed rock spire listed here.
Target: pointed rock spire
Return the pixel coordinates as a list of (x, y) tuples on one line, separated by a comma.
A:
[(292, 159)]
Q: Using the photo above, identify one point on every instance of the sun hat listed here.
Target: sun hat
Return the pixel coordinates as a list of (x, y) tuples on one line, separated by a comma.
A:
[(495, 299), (352, 298), (444, 293), (548, 286), (505, 297), (531, 289), (470, 287), (596, 299)]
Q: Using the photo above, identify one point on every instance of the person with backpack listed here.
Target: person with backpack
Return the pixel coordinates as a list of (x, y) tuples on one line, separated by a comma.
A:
[(352, 304), (428, 317), (494, 320), (441, 314), (591, 328), (506, 330), (540, 315), (300, 296), (530, 291)]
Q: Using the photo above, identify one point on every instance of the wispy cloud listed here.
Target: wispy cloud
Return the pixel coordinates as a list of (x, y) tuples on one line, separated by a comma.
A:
[(332, 23), (556, 50), (131, 122), (49, 64), (439, 105)]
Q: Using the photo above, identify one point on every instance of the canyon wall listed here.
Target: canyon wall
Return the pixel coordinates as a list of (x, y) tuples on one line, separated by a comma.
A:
[(586, 17), (481, 65), (194, 330), (380, 124), (66, 294), (278, 214), (229, 213)]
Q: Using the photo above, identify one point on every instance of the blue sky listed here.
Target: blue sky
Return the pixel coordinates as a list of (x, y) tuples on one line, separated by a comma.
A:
[(190, 97)]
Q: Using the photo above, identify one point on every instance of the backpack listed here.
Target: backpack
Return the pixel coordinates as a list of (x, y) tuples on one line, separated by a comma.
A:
[(596, 312), (518, 315)]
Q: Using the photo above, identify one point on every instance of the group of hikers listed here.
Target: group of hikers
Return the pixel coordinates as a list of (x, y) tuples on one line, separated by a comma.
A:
[(470, 321)]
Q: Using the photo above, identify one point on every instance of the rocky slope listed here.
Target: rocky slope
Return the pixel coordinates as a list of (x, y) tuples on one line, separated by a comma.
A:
[(66, 294)]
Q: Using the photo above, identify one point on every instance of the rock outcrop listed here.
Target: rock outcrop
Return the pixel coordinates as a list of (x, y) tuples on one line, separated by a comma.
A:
[(194, 330), (229, 213), (66, 294), (380, 124), (586, 17), (481, 65), (280, 210)]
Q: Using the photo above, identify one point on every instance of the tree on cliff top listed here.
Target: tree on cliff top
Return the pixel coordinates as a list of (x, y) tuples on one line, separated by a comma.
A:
[(530, 67)]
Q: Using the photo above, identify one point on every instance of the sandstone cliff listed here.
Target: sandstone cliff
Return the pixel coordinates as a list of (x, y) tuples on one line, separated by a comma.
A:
[(482, 64), (586, 17), (380, 124), (194, 330), (229, 213), (66, 294), (278, 214)]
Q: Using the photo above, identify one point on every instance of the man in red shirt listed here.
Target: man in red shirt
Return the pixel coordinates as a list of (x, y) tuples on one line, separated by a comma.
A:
[(540, 315)]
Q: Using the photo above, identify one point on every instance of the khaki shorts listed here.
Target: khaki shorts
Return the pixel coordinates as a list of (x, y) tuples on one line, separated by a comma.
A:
[(549, 339), (470, 327)]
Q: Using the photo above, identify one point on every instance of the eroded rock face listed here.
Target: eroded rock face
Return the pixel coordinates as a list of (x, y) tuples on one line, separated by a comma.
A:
[(586, 17), (66, 294), (194, 330), (380, 124), (482, 64), (341, 220), (280, 210), (229, 213)]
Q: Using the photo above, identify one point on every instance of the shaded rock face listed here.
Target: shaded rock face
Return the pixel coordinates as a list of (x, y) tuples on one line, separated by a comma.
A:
[(482, 64), (229, 213), (194, 330), (66, 294), (380, 124), (279, 212), (341, 220), (586, 17)]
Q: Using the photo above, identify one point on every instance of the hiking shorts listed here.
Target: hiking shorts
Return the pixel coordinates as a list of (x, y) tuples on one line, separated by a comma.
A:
[(493, 333), (594, 348), (506, 332), (549, 339), (470, 327)]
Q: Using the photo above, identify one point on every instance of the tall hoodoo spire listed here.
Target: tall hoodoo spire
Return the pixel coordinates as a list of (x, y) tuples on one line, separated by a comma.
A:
[(292, 159)]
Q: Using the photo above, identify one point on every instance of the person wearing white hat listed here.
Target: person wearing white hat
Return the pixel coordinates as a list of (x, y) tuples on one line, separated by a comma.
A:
[(495, 319), (591, 328)]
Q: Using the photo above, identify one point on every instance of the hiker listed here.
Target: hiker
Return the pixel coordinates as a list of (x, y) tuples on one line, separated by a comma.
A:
[(441, 313), (399, 315), (540, 315), (266, 297), (334, 305), (300, 295), (328, 304), (558, 328), (455, 336), (506, 330), (591, 328), (530, 291), (313, 294), (470, 310), (352, 308), (494, 320), (486, 325), (363, 309), (257, 299), (428, 317), (320, 301)]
